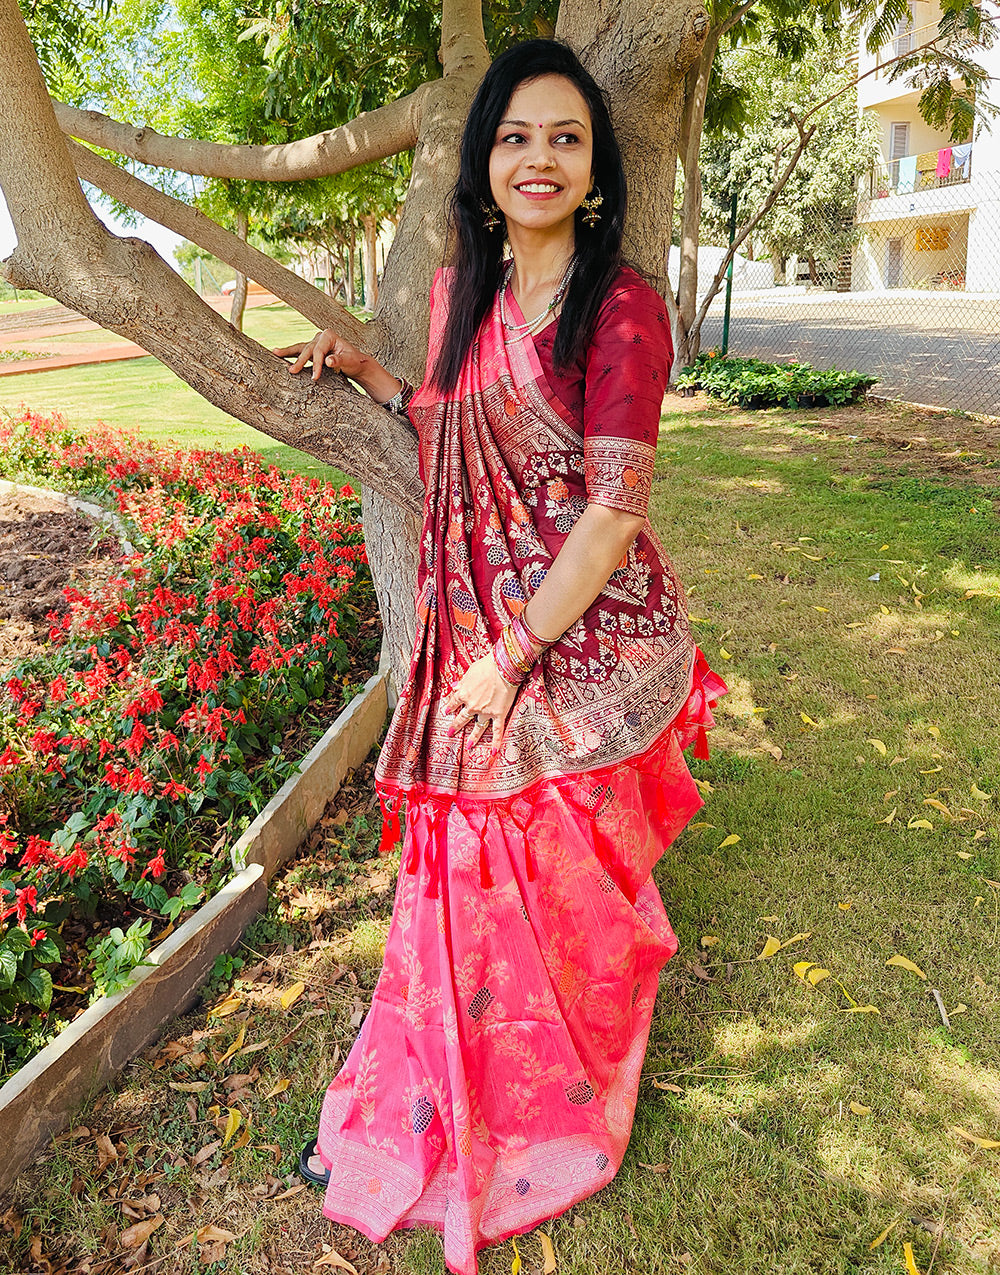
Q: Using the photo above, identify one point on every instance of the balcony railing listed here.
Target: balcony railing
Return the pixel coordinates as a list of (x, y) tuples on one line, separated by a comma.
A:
[(901, 178)]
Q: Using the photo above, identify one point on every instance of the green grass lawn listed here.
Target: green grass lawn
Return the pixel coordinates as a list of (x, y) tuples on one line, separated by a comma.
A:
[(143, 394), (844, 577), (22, 307)]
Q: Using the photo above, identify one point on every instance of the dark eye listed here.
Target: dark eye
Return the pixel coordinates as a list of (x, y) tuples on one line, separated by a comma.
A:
[(512, 137), (567, 137)]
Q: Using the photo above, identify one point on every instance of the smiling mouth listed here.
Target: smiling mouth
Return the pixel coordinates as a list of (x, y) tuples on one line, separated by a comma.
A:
[(538, 188)]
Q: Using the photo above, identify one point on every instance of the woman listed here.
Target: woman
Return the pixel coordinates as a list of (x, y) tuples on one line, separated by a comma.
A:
[(537, 743)]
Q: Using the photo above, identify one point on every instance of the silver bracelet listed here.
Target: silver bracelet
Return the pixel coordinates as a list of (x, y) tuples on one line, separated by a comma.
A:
[(400, 401)]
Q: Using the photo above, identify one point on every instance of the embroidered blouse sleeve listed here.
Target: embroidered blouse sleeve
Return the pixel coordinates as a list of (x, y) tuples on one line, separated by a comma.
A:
[(628, 364)]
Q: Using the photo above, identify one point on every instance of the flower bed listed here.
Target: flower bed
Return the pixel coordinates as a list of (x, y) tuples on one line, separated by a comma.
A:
[(154, 725), (752, 383)]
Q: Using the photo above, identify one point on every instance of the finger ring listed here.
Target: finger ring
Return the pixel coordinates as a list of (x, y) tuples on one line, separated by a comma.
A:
[(482, 721)]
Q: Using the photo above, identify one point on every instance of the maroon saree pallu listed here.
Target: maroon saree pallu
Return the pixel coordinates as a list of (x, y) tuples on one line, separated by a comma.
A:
[(493, 1082)]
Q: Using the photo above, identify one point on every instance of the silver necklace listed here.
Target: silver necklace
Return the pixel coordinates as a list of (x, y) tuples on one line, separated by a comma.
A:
[(522, 329)]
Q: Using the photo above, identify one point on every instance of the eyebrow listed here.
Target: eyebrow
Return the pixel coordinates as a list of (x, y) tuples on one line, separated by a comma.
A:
[(557, 124)]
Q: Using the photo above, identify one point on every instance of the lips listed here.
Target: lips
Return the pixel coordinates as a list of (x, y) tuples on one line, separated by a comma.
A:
[(538, 190)]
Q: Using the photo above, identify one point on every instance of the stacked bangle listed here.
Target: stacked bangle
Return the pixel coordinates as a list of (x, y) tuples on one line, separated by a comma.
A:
[(400, 401), (517, 650)]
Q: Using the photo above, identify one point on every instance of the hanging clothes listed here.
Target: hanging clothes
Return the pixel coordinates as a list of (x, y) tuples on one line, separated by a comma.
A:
[(961, 157), (943, 168), (907, 179)]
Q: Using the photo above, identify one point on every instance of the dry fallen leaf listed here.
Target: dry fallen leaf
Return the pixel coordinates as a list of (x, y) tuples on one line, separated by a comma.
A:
[(911, 1266), (878, 745), (860, 1009), (292, 1190), (548, 1253), (731, 840), (237, 1044), (133, 1236), (724, 654), (960, 1008), (920, 823), (770, 947), (963, 854), (979, 794), (889, 817), (663, 1084), (333, 1258), (279, 1087), (709, 940), (233, 1121), (859, 1109), (228, 1006), (845, 907), (988, 1144), (291, 994), (817, 975), (656, 1168), (906, 964), (808, 720), (880, 1239), (106, 1151)]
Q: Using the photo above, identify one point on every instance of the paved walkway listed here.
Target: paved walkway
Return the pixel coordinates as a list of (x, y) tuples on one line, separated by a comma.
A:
[(29, 332)]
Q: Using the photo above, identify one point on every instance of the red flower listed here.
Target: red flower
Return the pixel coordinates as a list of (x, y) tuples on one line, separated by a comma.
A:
[(26, 898), (174, 790), (36, 936), (156, 865), (205, 768)]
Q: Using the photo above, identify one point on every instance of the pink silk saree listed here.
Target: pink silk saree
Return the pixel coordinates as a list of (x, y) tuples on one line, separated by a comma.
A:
[(494, 1081)]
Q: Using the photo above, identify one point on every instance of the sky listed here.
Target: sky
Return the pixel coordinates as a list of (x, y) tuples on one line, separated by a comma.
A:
[(163, 240)]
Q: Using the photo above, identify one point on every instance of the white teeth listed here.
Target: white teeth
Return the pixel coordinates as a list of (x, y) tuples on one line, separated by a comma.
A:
[(539, 188)]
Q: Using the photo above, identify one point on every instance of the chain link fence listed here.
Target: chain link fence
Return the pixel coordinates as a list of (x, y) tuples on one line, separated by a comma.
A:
[(915, 301)]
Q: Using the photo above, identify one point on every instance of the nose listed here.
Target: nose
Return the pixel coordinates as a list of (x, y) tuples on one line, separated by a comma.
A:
[(540, 156)]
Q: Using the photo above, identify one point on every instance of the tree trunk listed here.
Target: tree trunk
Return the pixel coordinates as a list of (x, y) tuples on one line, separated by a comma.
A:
[(352, 291), (369, 225), (240, 291)]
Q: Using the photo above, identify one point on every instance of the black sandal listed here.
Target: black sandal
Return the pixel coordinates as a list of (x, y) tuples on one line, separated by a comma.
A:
[(310, 1175)]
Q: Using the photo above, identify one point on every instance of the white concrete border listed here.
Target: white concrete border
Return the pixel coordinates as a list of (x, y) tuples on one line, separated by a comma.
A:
[(97, 512), (41, 1098)]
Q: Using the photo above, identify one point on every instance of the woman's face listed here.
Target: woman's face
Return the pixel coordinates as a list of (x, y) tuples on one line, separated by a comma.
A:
[(541, 161)]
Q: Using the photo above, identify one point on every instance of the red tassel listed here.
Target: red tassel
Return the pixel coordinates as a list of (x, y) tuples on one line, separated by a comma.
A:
[(701, 744), (390, 825)]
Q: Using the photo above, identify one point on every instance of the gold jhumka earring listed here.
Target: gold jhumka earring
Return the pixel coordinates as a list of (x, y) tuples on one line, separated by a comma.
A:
[(591, 217), (491, 216)]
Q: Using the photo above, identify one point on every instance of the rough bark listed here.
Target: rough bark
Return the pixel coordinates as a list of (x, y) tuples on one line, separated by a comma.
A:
[(192, 224), (240, 291), (639, 51), (373, 135)]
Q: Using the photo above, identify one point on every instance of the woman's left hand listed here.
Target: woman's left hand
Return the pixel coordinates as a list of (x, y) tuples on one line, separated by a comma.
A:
[(481, 698)]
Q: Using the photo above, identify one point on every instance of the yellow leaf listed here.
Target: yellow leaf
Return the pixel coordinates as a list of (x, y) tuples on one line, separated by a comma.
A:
[(857, 624), (896, 650), (845, 907), (333, 1258), (233, 1122), (731, 840), (800, 968), (797, 938), (279, 1087), (980, 795), (935, 731), (697, 619), (859, 1110), (752, 576), (228, 1006), (962, 854), (548, 1252), (978, 899), (817, 975), (515, 1266), (770, 947), (933, 771), (884, 610), (771, 920), (896, 760), (291, 994), (905, 964), (987, 1144), (860, 1009), (911, 1266), (880, 1239), (663, 1084), (816, 608), (808, 720), (889, 817), (814, 557), (878, 745), (981, 835), (960, 1008), (920, 823), (938, 805), (703, 786), (726, 655), (709, 940), (238, 1043)]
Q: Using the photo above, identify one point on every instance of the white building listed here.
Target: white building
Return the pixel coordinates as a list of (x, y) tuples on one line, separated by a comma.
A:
[(929, 213)]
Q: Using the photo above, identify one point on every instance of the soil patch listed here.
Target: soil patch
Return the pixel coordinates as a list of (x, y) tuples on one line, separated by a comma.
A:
[(44, 547)]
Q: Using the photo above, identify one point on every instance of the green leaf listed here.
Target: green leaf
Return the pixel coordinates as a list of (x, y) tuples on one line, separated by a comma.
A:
[(35, 988)]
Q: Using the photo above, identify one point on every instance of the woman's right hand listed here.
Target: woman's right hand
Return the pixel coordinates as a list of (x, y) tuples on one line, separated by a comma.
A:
[(327, 349)]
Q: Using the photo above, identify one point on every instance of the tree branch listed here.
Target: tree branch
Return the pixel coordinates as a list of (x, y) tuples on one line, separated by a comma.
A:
[(123, 285), (184, 220), (373, 135), (463, 39)]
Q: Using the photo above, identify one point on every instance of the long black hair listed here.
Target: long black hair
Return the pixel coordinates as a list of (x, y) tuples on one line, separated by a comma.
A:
[(478, 252)]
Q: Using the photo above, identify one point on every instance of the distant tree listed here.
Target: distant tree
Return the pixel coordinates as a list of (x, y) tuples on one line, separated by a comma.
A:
[(813, 216)]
